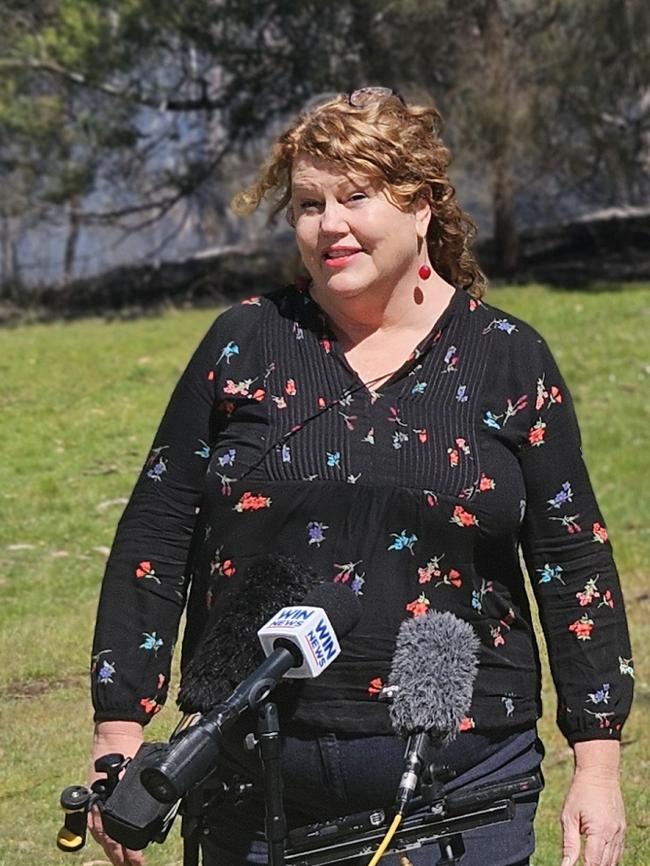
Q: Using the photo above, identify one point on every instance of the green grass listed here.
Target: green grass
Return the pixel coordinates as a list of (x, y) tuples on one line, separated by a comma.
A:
[(79, 404)]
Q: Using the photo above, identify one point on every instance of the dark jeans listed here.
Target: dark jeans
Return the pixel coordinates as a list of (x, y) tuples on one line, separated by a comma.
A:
[(330, 776)]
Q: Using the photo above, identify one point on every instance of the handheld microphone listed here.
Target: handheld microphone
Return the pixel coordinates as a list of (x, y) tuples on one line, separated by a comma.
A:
[(229, 651), (308, 646), (433, 672)]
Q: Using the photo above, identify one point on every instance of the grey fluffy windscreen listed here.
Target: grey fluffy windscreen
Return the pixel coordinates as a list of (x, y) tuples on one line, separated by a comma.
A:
[(434, 668)]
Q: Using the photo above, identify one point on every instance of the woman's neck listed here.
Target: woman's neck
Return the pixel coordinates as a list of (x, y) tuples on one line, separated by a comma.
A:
[(354, 320)]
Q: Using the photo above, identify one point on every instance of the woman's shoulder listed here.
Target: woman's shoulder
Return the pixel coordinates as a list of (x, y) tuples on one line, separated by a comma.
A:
[(246, 316), (507, 334)]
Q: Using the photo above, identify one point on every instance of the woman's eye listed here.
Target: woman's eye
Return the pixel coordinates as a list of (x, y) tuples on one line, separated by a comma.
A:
[(358, 196), (309, 204)]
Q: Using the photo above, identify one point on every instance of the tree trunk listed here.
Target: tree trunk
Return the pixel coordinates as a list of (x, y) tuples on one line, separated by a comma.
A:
[(506, 238), (71, 243)]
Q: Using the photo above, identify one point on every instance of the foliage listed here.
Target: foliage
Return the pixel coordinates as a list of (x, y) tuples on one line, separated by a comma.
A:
[(80, 403)]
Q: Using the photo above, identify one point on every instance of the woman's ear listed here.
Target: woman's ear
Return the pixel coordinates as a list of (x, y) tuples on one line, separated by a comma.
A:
[(422, 213)]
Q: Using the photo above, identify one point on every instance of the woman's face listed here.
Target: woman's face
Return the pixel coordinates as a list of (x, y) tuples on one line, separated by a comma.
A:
[(353, 240)]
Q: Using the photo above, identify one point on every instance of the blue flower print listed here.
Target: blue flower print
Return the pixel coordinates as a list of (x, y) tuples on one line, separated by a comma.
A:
[(500, 325), (625, 666), (151, 642), (492, 420), (461, 394), (403, 541), (227, 352), (105, 673), (316, 532), (563, 496), (204, 450), (157, 470), (600, 696), (228, 458), (450, 360), (549, 573), (419, 388), (334, 459), (285, 452), (479, 594), (347, 573)]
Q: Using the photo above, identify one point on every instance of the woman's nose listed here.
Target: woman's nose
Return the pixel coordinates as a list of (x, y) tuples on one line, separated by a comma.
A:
[(334, 218)]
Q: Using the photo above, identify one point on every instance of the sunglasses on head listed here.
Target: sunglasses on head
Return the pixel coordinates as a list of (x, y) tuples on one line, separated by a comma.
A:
[(364, 95)]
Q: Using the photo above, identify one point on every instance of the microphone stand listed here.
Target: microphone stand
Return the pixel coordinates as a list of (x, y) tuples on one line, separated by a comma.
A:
[(270, 750)]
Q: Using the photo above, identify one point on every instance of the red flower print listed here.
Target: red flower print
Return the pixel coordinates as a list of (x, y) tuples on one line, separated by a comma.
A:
[(463, 518), (467, 724), (556, 394), (453, 457), (146, 570), (486, 483), (608, 599), (431, 498), (290, 388), (259, 395), (582, 627), (537, 432), (326, 345), (211, 375), (151, 706), (600, 533), (375, 686), (321, 403), (589, 593), (497, 637), (454, 578), (420, 606), (473, 305), (252, 502), (423, 435), (226, 406)]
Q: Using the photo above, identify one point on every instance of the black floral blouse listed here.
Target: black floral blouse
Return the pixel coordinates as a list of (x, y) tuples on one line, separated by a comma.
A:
[(418, 495)]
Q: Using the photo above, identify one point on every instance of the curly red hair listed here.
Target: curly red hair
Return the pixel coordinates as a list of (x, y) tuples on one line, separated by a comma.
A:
[(396, 146)]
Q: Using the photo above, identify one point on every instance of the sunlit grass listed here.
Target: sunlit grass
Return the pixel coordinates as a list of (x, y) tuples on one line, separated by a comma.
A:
[(79, 405)]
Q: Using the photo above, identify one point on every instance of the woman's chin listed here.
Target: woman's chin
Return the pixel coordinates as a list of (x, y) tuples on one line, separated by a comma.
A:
[(341, 286)]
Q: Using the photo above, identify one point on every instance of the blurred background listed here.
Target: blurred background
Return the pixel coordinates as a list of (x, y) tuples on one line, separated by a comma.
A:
[(127, 125)]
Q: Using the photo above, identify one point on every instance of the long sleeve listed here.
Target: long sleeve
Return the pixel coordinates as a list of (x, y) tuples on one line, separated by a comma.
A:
[(569, 560), (144, 588)]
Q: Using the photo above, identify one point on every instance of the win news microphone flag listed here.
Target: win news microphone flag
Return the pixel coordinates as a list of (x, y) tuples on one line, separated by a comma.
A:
[(432, 680), (302, 637)]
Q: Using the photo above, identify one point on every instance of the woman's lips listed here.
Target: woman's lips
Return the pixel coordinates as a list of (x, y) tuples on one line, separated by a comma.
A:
[(339, 258)]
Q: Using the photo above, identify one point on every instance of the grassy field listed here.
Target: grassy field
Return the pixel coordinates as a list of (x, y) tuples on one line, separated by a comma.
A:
[(79, 405)]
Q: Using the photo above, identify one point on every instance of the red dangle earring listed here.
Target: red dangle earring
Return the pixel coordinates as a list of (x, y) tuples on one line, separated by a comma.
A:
[(424, 272)]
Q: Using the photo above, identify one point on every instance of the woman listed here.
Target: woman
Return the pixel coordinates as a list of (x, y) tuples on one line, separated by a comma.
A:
[(388, 429)]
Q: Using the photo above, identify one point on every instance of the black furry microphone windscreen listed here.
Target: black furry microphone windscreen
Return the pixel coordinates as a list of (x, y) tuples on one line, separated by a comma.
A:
[(229, 649), (434, 668)]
